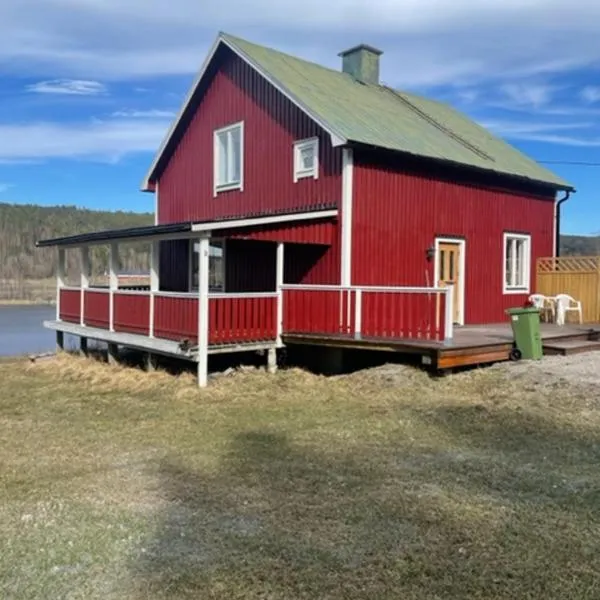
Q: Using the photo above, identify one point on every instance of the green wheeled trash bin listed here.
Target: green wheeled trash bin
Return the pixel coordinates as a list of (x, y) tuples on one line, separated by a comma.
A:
[(526, 330)]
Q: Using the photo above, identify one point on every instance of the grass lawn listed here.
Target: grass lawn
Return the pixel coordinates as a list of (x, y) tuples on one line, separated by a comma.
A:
[(379, 484)]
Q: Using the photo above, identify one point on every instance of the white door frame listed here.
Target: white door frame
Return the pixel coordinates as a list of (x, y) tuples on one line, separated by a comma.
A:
[(462, 244)]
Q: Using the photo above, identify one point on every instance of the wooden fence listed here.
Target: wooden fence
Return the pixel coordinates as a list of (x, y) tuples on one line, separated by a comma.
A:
[(578, 276)]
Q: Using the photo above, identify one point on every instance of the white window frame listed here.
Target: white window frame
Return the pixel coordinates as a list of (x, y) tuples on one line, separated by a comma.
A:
[(236, 185), (191, 251), (299, 172), (513, 238)]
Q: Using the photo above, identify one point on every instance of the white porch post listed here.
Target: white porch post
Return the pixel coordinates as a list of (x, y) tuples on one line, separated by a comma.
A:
[(203, 311), (357, 312), (279, 289), (154, 281), (60, 279), (113, 281), (449, 313), (85, 279)]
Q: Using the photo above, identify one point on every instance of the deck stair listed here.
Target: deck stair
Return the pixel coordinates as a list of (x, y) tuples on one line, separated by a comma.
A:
[(569, 347)]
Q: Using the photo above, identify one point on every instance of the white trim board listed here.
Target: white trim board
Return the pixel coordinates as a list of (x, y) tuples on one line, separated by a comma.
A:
[(336, 138), (346, 225), (270, 220), (462, 244)]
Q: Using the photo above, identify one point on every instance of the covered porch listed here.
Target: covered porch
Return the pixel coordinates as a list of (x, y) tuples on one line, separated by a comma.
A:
[(232, 286)]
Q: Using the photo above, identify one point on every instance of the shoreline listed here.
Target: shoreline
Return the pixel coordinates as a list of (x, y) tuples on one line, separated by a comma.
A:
[(21, 302)]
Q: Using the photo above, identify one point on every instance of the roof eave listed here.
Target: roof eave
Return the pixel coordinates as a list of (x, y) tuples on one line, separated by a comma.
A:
[(337, 139)]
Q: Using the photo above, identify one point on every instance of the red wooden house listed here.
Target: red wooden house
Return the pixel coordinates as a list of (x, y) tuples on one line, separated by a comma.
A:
[(296, 202)]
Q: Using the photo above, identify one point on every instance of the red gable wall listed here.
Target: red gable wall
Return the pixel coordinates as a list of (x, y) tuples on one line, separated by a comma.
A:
[(271, 125)]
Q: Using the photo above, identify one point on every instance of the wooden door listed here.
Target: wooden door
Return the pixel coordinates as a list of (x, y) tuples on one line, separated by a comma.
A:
[(449, 272)]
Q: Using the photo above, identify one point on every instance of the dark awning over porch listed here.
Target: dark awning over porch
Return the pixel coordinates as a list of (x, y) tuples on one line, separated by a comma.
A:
[(191, 229)]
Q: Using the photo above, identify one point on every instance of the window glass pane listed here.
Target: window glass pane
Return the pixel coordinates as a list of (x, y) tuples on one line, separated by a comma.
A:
[(519, 275), (442, 265), (307, 158), (509, 261), (235, 156), (223, 147), (216, 266)]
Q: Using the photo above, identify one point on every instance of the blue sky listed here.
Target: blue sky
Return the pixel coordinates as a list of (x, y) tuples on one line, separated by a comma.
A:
[(89, 87)]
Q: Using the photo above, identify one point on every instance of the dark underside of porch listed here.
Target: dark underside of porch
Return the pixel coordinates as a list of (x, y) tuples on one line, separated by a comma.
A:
[(471, 345)]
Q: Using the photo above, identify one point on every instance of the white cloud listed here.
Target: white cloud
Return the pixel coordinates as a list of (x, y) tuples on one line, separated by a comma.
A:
[(102, 140), (521, 128), (5, 187), (528, 94), (425, 41), (590, 94), (145, 114), (72, 87)]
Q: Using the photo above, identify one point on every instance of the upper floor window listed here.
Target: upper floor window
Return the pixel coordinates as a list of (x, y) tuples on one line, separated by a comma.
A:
[(517, 263), (306, 158), (229, 158)]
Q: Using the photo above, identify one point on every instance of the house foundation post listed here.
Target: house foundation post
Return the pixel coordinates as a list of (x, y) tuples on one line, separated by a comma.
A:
[(203, 311), (60, 341), (113, 354), (272, 360), (150, 362)]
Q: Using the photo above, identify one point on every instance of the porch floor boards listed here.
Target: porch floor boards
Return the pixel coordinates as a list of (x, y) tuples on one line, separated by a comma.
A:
[(148, 344), (472, 344)]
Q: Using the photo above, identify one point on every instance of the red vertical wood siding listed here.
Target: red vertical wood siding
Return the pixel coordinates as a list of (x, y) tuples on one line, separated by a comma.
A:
[(307, 232), (250, 266), (397, 215), (96, 309), (271, 125), (132, 313), (242, 320), (176, 318), (70, 306), (174, 274)]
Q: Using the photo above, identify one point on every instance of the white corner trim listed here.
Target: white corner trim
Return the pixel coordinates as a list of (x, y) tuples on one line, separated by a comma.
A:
[(299, 145), (336, 138), (156, 201), (526, 237), (346, 208), (237, 185), (462, 265), (271, 220)]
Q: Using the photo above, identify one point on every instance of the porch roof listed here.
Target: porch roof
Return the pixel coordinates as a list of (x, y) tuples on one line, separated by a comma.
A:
[(186, 230)]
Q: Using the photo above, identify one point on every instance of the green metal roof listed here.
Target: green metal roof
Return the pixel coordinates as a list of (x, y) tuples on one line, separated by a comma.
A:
[(380, 116)]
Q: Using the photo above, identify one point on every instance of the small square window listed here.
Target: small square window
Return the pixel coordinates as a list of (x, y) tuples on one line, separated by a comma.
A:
[(228, 158), (306, 159), (517, 263)]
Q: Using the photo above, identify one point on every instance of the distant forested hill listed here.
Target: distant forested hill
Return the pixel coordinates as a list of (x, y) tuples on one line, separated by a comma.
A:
[(580, 245), (22, 225)]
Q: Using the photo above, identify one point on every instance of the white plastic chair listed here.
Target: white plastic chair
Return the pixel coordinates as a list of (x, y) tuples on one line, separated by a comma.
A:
[(565, 304), (545, 304)]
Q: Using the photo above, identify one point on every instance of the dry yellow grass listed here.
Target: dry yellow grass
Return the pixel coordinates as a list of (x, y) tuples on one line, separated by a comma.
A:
[(379, 484)]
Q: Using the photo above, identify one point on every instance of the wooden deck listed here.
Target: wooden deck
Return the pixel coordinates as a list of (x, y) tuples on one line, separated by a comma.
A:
[(471, 345)]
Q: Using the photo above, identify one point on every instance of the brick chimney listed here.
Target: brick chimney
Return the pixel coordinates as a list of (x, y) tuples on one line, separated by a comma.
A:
[(362, 62)]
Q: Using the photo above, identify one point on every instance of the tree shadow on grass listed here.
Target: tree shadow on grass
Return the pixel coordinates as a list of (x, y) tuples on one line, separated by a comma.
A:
[(283, 521)]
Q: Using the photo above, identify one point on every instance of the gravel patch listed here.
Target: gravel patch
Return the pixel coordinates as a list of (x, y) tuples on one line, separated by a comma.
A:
[(579, 369)]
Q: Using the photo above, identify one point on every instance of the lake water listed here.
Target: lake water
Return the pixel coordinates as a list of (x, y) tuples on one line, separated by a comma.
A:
[(22, 331)]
